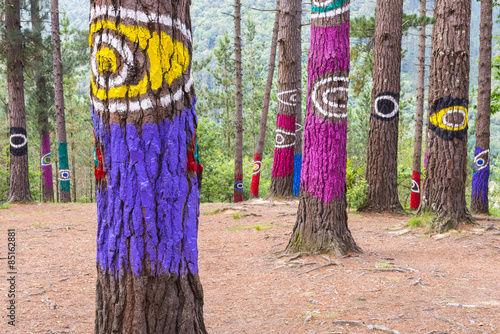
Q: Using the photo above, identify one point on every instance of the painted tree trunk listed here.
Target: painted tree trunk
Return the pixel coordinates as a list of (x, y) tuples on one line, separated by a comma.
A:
[(257, 161), (297, 159), (64, 175), (42, 104), (143, 108), (480, 177), (444, 186), (419, 116), (289, 98), (19, 186), (321, 225), (382, 159), (238, 143)]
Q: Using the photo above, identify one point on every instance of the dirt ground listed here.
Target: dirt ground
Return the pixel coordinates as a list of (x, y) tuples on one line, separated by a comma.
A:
[(406, 281)]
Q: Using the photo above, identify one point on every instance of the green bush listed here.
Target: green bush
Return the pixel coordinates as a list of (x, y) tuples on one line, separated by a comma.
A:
[(356, 186)]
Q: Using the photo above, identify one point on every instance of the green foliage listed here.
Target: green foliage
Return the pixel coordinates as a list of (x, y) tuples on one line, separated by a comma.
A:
[(356, 186), (210, 213), (237, 216)]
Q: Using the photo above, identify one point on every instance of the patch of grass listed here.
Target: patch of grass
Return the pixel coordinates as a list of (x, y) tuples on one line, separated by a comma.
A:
[(424, 220), (495, 212), (259, 227), (361, 299), (239, 228), (237, 216), (5, 206), (383, 265), (209, 213)]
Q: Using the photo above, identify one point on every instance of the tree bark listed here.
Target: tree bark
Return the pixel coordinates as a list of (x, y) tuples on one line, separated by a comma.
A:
[(419, 116), (321, 225), (238, 119), (64, 175), (42, 104), (289, 98), (297, 159), (444, 186), (382, 159), (479, 199), (147, 177), (257, 163), (19, 186)]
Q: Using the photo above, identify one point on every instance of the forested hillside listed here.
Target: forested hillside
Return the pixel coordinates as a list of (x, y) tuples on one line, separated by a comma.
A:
[(213, 43)]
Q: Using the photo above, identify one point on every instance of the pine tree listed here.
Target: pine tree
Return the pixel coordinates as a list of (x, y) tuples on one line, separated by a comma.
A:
[(64, 175), (479, 198), (381, 164), (289, 98), (19, 189), (321, 225), (259, 150), (238, 110), (446, 144), (148, 195)]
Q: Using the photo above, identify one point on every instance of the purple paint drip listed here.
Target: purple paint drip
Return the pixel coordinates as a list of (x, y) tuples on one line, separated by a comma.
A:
[(480, 179), (47, 169), (150, 202), (324, 161), (329, 50)]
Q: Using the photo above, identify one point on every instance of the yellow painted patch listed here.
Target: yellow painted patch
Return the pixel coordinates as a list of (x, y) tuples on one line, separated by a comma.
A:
[(106, 60), (438, 119), (168, 59)]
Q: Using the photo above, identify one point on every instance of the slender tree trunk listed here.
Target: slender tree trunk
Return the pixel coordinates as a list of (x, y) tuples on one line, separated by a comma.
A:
[(73, 163), (257, 161), (57, 188), (43, 106), (289, 98), (479, 200), (148, 195), (321, 225), (238, 119), (419, 116), (19, 187), (382, 159), (64, 176), (297, 161), (444, 186)]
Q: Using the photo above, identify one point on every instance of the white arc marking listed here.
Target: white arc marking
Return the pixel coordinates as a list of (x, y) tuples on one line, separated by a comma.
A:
[(293, 97), (25, 140), (450, 113), (109, 11), (390, 98), (325, 100)]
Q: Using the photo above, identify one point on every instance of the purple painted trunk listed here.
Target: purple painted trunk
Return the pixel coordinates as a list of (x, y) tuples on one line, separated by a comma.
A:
[(46, 162), (148, 200)]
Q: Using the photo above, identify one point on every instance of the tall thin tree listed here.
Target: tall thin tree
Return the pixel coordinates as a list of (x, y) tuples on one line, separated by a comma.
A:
[(143, 108), (238, 119), (419, 116), (42, 104), (480, 178), (382, 159), (19, 187), (297, 160), (64, 175), (289, 98), (257, 161), (446, 141), (321, 225)]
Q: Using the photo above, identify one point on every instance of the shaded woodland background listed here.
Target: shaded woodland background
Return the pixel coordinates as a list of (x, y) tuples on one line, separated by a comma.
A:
[(213, 64)]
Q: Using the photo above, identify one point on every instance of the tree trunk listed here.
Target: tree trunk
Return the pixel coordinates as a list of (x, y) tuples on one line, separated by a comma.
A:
[(382, 159), (19, 187), (42, 104), (479, 199), (143, 109), (64, 176), (419, 116), (321, 225), (238, 110), (257, 163), (289, 98), (444, 186), (297, 160)]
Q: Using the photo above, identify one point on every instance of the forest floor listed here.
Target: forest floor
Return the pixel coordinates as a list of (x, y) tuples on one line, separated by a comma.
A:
[(406, 281)]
